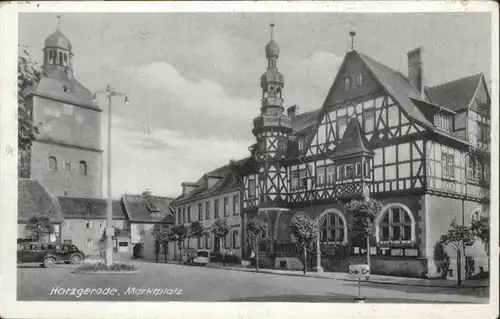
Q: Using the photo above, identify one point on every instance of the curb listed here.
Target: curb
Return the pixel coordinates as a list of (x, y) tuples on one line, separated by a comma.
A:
[(344, 279), (76, 272)]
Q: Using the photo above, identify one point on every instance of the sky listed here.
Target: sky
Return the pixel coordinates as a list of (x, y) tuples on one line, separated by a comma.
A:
[(193, 79)]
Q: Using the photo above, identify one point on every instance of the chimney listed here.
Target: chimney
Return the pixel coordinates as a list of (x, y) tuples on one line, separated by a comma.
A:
[(416, 71), (188, 188), (292, 111)]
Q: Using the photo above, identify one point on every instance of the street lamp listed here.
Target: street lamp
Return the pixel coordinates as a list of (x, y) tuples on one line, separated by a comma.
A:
[(110, 93)]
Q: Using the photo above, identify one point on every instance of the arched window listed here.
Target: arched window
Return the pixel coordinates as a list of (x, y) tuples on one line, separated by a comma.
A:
[(51, 56), (61, 58), (395, 224), (82, 168), (52, 163), (332, 227)]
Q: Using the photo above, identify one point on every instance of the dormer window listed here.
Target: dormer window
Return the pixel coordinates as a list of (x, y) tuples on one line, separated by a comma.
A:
[(153, 208), (442, 122), (301, 143), (347, 83)]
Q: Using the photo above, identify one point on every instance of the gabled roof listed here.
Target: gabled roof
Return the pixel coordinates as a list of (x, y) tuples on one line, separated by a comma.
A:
[(89, 208), (33, 198), (52, 85), (353, 142), (139, 208), (456, 94)]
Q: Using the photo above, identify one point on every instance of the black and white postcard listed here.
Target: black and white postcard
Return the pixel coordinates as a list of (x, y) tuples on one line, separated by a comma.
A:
[(249, 159)]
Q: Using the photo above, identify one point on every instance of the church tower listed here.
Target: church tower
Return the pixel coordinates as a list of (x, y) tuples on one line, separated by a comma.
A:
[(66, 155), (272, 129)]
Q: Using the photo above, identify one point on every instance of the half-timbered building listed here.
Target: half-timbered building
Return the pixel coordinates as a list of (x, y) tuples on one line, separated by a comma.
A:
[(381, 134)]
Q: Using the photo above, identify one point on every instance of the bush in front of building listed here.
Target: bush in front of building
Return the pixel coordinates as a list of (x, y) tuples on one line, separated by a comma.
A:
[(38, 226)]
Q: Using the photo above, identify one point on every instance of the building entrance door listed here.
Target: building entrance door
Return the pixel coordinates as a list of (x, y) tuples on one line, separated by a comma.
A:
[(217, 245)]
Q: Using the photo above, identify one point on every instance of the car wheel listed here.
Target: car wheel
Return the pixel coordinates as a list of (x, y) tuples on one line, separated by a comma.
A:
[(75, 259), (49, 263)]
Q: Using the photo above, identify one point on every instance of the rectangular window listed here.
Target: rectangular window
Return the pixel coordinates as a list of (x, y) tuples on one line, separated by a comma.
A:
[(179, 216), (236, 205), (226, 206), (358, 171), (227, 241), (369, 121), (448, 165), (340, 172), (366, 170), (251, 188), (320, 175), (236, 239), (207, 210), (281, 144), (347, 83), (302, 179), (301, 143), (341, 126), (359, 79), (330, 171), (189, 214), (200, 211), (67, 166), (349, 171), (184, 215), (295, 180), (216, 208)]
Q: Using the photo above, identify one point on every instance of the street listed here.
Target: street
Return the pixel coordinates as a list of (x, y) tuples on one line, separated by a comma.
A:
[(189, 283)]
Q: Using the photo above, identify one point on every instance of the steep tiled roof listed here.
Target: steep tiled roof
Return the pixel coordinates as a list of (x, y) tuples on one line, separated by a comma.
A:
[(138, 208), (33, 198), (303, 121), (227, 182), (400, 89), (89, 208), (353, 141), (52, 86), (456, 94)]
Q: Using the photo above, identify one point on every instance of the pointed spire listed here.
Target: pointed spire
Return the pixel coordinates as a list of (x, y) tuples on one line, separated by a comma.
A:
[(59, 23), (272, 25), (352, 34)]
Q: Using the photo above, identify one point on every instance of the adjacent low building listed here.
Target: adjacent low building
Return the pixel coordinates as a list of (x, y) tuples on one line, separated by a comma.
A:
[(216, 195), (85, 221), (33, 199)]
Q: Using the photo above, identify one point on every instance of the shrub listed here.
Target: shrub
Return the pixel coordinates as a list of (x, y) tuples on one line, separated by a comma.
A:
[(102, 267)]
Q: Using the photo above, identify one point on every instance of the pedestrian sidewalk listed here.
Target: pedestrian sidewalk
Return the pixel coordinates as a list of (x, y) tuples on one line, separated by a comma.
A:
[(378, 279)]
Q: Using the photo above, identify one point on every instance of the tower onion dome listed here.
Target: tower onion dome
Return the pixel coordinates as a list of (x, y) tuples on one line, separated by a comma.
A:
[(58, 40), (272, 49)]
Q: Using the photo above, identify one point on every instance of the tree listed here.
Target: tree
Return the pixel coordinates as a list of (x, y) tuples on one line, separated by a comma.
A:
[(220, 229), (255, 229), (163, 236), (196, 230), (481, 230), (364, 213), (39, 225), (305, 231), (459, 237), (28, 75), (179, 233)]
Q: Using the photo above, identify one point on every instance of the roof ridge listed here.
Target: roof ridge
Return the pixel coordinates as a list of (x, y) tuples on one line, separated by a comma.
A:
[(455, 80)]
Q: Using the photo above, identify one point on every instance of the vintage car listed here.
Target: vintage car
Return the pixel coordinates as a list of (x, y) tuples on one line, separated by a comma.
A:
[(202, 257), (49, 254)]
